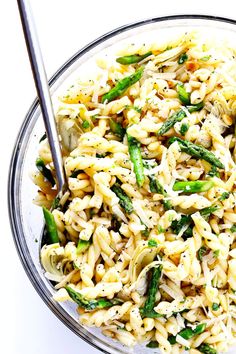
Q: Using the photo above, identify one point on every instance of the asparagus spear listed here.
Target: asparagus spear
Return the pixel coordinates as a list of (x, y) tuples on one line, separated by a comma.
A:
[(117, 128), (91, 304), (169, 123), (184, 96), (206, 349), (132, 59), (123, 85), (193, 186), (156, 187), (195, 107), (50, 226), (125, 200), (177, 117), (188, 333), (45, 171), (150, 314), (197, 151), (136, 158), (82, 246), (147, 310)]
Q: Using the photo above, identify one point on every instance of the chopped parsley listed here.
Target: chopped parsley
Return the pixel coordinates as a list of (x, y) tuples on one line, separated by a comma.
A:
[(233, 228), (224, 195), (216, 253), (152, 243), (213, 172), (201, 252), (183, 57), (85, 124), (184, 128), (215, 306), (205, 58), (160, 229)]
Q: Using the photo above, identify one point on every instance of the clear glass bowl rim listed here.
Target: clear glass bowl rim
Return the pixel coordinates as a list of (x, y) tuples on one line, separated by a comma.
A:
[(12, 180)]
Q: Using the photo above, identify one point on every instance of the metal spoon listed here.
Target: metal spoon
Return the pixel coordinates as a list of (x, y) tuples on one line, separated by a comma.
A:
[(44, 96), (43, 92)]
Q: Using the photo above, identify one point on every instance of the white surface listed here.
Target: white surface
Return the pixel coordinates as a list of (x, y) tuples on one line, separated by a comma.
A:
[(64, 26)]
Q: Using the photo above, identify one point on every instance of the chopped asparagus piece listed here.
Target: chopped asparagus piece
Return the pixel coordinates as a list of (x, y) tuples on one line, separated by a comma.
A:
[(51, 226), (125, 200), (184, 96), (136, 158), (197, 151), (193, 186), (132, 59), (117, 128), (123, 85), (188, 333), (91, 304), (82, 246), (206, 349), (147, 310), (45, 171), (155, 185), (177, 117)]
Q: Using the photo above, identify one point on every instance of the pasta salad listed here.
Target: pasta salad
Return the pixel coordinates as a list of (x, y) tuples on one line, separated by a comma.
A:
[(144, 242)]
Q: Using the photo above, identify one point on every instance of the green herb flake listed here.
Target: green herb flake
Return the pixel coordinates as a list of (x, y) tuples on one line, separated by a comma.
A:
[(152, 243), (153, 344), (160, 229), (216, 253), (183, 58), (85, 124), (206, 58), (225, 195), (233, 228), (215, 306), (213, 172), (184, 128), (201, 252)]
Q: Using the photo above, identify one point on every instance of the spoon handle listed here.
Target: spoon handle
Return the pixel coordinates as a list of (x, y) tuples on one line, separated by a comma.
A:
[(43, 92)]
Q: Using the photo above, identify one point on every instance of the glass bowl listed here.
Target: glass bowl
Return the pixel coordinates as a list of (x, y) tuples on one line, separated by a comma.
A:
[(26, 219)]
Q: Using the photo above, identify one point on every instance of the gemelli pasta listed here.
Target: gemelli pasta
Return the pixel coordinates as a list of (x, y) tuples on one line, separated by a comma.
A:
[(144, 241)]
